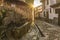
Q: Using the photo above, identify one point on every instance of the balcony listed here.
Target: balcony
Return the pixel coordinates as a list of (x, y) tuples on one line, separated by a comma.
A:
[(55, 5)]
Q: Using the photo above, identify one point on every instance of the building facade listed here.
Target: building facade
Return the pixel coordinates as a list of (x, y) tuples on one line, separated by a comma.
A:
[(56, 7), (38, 11), (49, 13)]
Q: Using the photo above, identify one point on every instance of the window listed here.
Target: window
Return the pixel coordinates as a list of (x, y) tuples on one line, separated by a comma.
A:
[(44, 14), (57, 11), (50, 10), (47, 14)]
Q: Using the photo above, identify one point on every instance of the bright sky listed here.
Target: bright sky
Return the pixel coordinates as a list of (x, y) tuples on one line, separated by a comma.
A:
[(37, 3)]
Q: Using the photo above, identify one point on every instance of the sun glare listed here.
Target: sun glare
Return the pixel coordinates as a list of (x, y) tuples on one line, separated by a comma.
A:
[(37, 3)]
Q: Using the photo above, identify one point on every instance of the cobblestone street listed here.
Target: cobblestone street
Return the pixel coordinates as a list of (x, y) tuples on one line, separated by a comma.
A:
[(33, 34), (50, 31)]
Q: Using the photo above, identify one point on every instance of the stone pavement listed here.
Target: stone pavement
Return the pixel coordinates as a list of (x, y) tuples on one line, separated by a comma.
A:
[(50, 31), (33, 34)]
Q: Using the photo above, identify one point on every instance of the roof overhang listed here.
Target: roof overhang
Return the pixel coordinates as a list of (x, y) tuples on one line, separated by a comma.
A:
[(55, 5), (18, 2)]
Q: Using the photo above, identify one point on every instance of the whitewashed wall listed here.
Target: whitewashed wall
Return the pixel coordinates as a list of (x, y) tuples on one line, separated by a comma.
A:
[(52, 2), (52, 14)]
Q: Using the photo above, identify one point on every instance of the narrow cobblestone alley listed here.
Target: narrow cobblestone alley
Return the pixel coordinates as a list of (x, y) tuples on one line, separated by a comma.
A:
[(29, 19)]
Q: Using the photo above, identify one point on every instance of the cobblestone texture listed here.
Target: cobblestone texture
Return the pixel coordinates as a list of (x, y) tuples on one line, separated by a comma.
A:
[(50, 31), (33, 34)]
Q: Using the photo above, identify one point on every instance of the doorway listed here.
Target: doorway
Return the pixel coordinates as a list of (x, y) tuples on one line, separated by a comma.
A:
[(58, 11)]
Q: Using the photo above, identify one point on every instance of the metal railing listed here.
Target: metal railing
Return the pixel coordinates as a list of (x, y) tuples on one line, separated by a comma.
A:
[(39, 30)]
